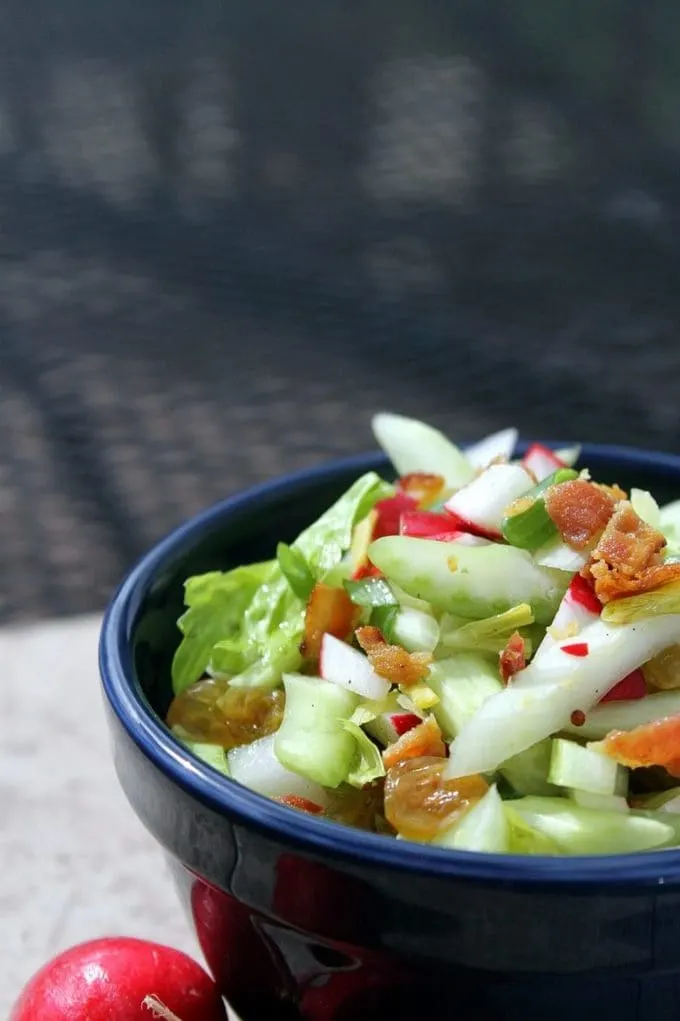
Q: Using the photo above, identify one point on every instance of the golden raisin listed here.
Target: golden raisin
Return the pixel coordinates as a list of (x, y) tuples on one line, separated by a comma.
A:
[(419, 803), (663, 671), (212, 711)]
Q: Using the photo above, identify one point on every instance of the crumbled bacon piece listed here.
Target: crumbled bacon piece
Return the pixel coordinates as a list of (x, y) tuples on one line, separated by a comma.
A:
[(391, 661), (512, 658), (328, 610), (627, 558), (580, 511), (422, 486), (652, 744), (425, 739), (302, 804)]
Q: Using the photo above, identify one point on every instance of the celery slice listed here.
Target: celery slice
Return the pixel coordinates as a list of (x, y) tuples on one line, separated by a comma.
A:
[(657, 602), (463, 683), (414, 446), (367, 764), (645, 506), (527, 772), (213, 754), (415, 630), (625, 715), (473, 581), (601, 802), (577, 830), (524, 838), (543, 696), (490, 634), (257, 766), (312, 739), (585, 769), (483, 827), (661, 801)]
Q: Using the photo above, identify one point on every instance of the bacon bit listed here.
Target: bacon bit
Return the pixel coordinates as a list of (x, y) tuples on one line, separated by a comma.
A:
[(652, 744), (403, 722), (389, 513), (580, 511), (513, 658), (576, 649), (627, 558), (581, 591), (300, 803), (425, 739), (328, 610), (614, 491), (391, 661), (452, 564), (422, 486), (632, 686), (578, 718)]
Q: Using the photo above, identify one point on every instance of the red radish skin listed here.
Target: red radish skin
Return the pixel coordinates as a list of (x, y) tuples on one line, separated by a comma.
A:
[(583, 593), (541, 461), (108, 979), (633, 686), (576, 649), (389, 513), (404, 721), (425, 524)]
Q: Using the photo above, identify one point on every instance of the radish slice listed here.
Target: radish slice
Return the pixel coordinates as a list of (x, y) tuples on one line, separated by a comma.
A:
[(576, 611), (482, 503), (388, 727), (500, 444), (349, 668), (256, 766), (557, 554), (541, 461)]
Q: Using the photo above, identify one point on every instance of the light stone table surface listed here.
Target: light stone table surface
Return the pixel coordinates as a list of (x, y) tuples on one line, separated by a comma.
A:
[(75, 863)]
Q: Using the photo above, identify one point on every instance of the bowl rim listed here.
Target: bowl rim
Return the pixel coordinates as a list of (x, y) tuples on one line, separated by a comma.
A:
[(225, 796)]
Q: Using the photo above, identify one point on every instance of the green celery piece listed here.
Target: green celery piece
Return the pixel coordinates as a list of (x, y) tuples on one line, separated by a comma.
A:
[(414, 446), (585, 769), (490, 634), (313, 739), (367, 765), (527, 772), (657, 602), (625, 715), (524, 838), (213, 754), (463, 683), (216, 603), (483, 827), (578, 830), (645, 506), (472, 581)]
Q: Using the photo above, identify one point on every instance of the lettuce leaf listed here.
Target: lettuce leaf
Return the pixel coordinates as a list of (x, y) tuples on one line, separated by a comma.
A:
[(368, 764), (247, 623)]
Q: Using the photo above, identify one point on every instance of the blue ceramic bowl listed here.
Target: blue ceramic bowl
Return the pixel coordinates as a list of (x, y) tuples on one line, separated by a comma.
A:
[(303, 918)]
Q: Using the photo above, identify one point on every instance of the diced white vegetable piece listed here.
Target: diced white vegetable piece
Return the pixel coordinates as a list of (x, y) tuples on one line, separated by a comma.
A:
[(500, 444), (349, 668), (483, 501), (257, 767)]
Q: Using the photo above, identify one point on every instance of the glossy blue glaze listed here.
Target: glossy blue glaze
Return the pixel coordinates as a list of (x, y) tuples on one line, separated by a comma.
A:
[(302, 918)]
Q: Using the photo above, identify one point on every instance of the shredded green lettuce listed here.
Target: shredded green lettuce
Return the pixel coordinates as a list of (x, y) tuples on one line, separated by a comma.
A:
[(247, 623), (368, 764), (489, 634)]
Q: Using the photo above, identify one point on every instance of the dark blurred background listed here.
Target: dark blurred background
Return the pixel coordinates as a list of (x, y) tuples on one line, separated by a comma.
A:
[(232, 229)]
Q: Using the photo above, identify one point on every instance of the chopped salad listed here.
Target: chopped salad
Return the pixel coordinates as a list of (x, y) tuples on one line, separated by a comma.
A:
[(482, 655)]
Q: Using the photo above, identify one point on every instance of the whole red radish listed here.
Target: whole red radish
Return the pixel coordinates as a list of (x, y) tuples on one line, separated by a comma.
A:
[(108, 980)]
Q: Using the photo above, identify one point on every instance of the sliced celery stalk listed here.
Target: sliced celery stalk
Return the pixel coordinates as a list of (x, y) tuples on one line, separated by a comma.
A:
[(483, 827), (524, 838), (414, 446), (601, 802), (645, 506), (500, 444), (542, 697), (626, 715), (662, 801), (213, 754), (578, 830), (312, 739), (473, 581), (256, 766), (463, 682), (560, 556), (670, 819), (415, 630), (489, 635), (569, 455), (657, 602), (585, 769), (527, 772)]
